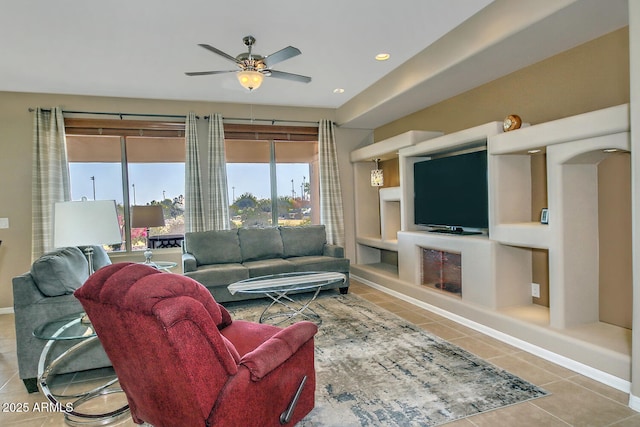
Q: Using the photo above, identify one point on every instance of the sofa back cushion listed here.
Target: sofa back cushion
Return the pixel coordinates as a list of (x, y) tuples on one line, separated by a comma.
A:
[(303, 241), (214, 247), (260, 243), (60, 272)]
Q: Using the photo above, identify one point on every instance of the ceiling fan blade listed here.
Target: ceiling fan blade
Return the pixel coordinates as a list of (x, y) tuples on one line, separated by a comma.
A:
[(289, 76), (207, 73), (281, 55), (219, 52)]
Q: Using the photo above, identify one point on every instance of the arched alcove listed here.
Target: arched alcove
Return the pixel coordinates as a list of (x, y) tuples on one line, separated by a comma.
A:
[(587, 195)]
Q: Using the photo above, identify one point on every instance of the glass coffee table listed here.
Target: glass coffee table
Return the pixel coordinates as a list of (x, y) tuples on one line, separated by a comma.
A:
[(73, 327), (279, 286)]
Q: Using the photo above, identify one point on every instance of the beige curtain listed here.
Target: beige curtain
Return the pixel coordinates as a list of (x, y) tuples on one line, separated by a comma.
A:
[(193, 205), (50, 177), (331, 213), (218, 212)]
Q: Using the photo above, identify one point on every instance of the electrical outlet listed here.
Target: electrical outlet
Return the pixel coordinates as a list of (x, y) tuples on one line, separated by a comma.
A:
[(535, 290)]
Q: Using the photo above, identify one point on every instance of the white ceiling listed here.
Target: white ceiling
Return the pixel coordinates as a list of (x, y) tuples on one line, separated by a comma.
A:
[(141, 49)]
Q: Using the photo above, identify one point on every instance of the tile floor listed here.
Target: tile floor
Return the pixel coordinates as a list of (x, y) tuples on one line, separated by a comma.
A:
[(575, 400)]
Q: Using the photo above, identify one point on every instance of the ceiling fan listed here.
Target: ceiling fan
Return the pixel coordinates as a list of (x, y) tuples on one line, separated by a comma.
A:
[(253, 68)]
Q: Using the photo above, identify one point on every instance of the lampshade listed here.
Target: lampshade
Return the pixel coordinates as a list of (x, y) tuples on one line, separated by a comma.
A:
[(377, 177), (147, 216), (91, 222), (250, 79)]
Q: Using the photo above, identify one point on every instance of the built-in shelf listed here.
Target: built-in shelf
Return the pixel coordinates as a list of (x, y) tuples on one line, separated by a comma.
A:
[(388, 148), (573, 147), (390, 194), (552, 165), (529, 234), (468, 138), (608, 121), (377, 242), (386, 270), (491, 273), (379, 209)]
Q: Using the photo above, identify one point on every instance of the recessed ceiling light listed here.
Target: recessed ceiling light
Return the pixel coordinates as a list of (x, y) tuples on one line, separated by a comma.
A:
[(610, 150), (534, 151), (382, 56), (338, 90)]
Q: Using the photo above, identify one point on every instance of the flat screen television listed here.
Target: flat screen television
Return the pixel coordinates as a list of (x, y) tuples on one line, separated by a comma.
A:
[(451, 192)]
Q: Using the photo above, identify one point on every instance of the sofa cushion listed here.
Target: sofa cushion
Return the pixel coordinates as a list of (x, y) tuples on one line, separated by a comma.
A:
[(268, 266), (320, 263), (60, 272), (219, 274), (260, 243), (214, 247), (303, 241)]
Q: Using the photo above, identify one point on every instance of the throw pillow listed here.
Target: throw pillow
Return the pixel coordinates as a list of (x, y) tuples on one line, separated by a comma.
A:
[(60, 272)]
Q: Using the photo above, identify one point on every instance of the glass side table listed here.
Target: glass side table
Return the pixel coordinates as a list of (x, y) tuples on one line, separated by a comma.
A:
[(161, 265), (73, 327)]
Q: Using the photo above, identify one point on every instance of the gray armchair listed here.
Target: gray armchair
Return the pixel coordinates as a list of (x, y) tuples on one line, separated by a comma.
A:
[(45, 293)]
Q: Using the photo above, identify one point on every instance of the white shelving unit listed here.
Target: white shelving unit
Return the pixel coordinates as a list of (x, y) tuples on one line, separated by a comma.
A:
[(388, 149), (378, 210), (497, 269), (574, 147), (488, 276), (423, 150)]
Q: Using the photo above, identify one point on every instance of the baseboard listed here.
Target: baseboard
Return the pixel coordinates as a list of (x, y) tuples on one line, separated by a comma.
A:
[(634, 402), (6, 310), (580, 368)]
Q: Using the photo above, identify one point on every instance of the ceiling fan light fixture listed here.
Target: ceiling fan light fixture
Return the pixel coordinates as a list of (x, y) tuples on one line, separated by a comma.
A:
[(252, 69), (250, 79)]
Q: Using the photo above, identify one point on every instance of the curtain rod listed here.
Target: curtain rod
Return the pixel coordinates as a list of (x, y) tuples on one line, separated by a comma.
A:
[(121, 115), (272, 121), (177, 116)]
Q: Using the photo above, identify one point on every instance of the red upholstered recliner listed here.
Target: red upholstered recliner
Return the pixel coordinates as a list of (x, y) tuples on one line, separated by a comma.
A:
[(182, 361)]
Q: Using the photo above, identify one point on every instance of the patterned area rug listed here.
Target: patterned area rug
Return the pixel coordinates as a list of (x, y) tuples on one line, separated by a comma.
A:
[(375, 369)]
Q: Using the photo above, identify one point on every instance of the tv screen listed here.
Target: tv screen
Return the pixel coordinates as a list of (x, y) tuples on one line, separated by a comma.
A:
[(452, 191)]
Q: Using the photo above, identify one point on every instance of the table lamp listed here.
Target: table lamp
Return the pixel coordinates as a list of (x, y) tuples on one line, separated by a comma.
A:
[(146, 217), (86, 223)]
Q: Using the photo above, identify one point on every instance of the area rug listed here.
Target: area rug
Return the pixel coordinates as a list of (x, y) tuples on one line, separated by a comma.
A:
[(373, 368)]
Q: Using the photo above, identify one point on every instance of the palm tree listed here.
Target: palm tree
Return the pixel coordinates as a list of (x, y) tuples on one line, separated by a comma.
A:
[(245, 201)]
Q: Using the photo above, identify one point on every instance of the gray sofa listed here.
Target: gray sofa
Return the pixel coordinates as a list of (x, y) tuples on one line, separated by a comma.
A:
[(45, 293), (218, 258)]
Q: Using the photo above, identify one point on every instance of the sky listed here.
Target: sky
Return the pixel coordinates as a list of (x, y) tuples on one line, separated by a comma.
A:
[(154, 181)]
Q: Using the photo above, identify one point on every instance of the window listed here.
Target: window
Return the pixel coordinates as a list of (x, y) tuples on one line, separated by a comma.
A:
[(133, 163), (273, 182), (272, 173)]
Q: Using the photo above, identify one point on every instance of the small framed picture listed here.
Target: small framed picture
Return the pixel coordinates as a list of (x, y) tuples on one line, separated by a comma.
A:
[(544, 216)]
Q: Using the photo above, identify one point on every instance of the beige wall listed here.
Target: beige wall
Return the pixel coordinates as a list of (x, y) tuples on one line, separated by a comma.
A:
[(16, 146), (614, 225), (589, 77)]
